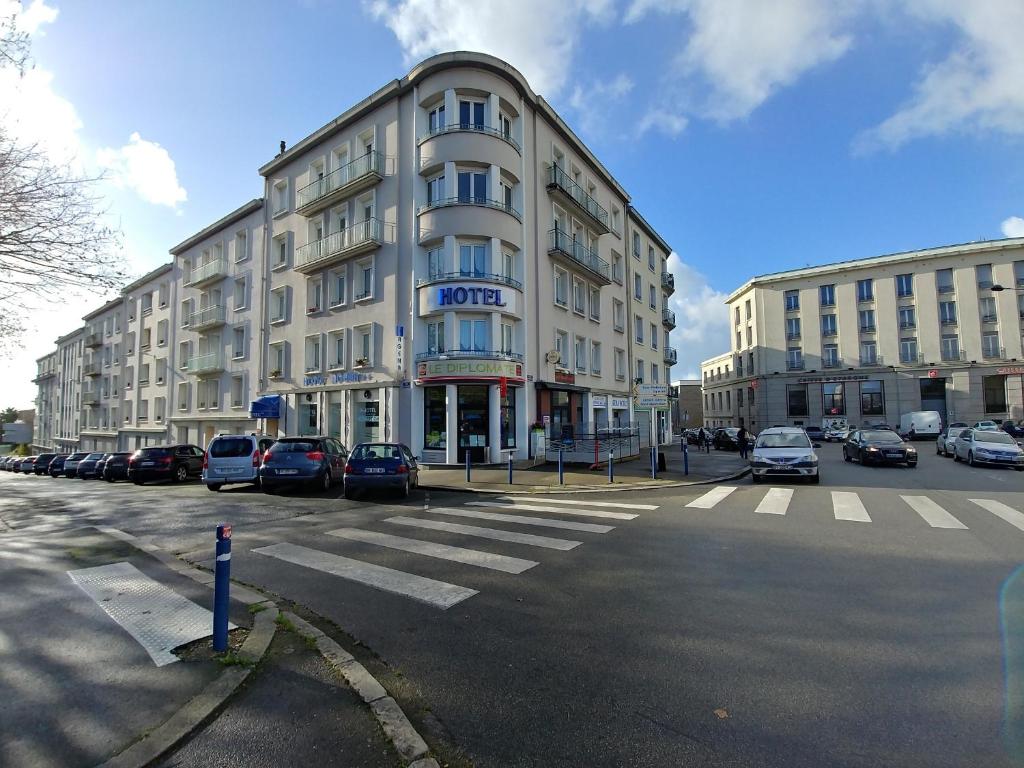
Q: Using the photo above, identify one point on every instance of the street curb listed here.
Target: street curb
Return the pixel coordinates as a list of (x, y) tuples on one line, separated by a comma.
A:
[(543, 490), (404, 737)]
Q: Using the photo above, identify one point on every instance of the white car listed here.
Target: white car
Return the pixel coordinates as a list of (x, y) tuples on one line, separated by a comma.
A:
[(837, 435), (986, 446), (234, 459), (784, 452), (986, 425), (945, 443)]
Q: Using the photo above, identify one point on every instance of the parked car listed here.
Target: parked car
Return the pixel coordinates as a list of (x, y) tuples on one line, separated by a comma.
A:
[(28, 465), (234, 459), (726, 439), (42, 463), (116, 466), (959, 424), (5, 461), (691, 436), (56, 467), (295, 461), (837, 434), (99, 466), (988, 446), (166, 462), (878, 446), (1013, 429), (921, 424), (814, 433), (87, 466), (375, 466), (882, 425), (945, 442), (71, 463), (985, 425), (784, 452)]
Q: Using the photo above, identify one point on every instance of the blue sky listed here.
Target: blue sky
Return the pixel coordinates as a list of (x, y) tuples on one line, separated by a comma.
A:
[(754, 136)]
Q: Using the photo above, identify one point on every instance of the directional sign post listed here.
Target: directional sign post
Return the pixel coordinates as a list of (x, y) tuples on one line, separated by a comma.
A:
[(651, 397)]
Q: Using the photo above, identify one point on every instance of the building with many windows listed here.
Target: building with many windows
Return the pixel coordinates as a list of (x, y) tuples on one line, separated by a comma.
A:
[(938, 329)]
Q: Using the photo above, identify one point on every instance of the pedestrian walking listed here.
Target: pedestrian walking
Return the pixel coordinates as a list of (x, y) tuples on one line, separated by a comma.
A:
[(741, 438)]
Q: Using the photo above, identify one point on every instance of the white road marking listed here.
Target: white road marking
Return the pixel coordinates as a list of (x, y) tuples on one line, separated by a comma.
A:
[(523, 520), (847, 506), (775, 502), (570, 502), (997, 508), (156, 616), (495, 534), (440, 551), (558, 510), (932, 513), (712, 497), (439, 594)]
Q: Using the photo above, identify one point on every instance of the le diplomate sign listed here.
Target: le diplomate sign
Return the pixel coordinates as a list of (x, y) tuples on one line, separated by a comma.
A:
[(469, 368)]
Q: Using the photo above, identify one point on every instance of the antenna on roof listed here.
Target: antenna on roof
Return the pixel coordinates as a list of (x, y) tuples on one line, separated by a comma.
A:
[(282, 147)]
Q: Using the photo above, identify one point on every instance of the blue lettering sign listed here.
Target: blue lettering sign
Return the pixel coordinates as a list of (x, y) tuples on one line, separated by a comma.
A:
[(460, 295), (445, 296), (471, 295)]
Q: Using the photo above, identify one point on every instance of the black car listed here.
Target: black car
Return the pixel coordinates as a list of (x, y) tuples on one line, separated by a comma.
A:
[(816, 434), (166, 462), (381, 466), (116, 467), (291, 461), (56, 465), (42, 463), (87, 466), (726, 439), (879, 446), (1012, 429)]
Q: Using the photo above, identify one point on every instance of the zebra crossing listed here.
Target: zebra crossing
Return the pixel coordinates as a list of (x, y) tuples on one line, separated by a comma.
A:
[(847, 506), (485, 514)]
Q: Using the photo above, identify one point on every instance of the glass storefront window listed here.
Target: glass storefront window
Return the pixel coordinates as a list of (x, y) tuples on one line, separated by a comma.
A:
[(508, 420), (474, 421), (832, 401), (308, 424), (872, 398), (435, 419), (367, 421), (796, 395), (994, 388)]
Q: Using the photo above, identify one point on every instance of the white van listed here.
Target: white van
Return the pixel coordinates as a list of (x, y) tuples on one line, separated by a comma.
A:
[(923, 424), (234, 459)]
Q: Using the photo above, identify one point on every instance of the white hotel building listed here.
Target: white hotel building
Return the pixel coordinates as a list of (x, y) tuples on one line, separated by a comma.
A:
[(444, 264)]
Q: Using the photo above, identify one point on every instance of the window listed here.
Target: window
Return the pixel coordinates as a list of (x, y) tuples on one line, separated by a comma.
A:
[(144, 374), (471, 115), (579, 296), (506, 339), (987, 305), (828, 325), (238, 342), (435, 190), (364, 345), (147, 303), (793, 328), (435, 119), (473, 260), (239, 294), (866, 319), (505, 125), (238, 391), (337, 284), (618, 268), (865, 290), (278, 360), (595, 303), (183, 388), (792, 299), (944, 280), (619, 315), (872, 398), (636, 245), (750, 336), (314, 295), (580, 350), (739, 359), (147, 338), (796, 399), (209, 393), (184, 353), (651, 259), (1020, 305), (435, 337), (739, 398), (144, 410), (907, 317), (562, 348), (595, 358), (187, 307), (984, 275), (336, 349), (947, 312), (639, 324), (364, 279), (279, 304), (280, 251), (750, 361), (904, 285), (506, 195), (652, 295), (280, 196), (561, 287), (994, 388), (164, 294), (640, 371), (474, 335), (1018, 273), (739, 339), (435, 418), (832, 401), (868, 353), (830, 356), (908, 350), (654, 374), (472, 186), (654, 336), (827, 295), (950, 346), (794, 359), (990, 345), (638, 288), (620, 364), (241, 245)]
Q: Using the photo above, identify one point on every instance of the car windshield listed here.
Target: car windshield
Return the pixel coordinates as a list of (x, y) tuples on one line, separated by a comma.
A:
[(230, 447), (994, 437), (294, 446), (731, 431), (783, 440), (376, 451), (881, 436)]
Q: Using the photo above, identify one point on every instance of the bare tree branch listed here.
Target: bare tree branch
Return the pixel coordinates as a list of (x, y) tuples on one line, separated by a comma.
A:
[(14, 45)]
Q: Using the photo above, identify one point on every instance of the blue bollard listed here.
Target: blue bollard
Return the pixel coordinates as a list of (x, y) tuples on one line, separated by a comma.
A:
[(510, 468), (221, 588), (561, 470), (686, 460), (654, 462), (467, 465), (611, 466)]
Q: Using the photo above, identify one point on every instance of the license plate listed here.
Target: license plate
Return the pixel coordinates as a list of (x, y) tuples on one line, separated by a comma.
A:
[(375, 471), (287, 471), (229, 471), (892, 453), (147, 463)]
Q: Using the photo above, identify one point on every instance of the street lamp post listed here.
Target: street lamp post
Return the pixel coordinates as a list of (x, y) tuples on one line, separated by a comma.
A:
[(997, 288)]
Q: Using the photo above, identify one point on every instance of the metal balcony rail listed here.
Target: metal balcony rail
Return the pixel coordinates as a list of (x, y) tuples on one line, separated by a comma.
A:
[(671, 356), (833, 362), (869, 360), (205, 363), (993, 353), (350, 238), (668, 317), (215, 268), (94, 340), (989, 318), (364, 165), (207, 316), (444, 202), (911, 359), (794, 365), (668, 280), (560, 179), (952, 355), (792, 336), (437, 130), (576, 250), (945, 289), (443, 277), (867, 328), (490, 354)]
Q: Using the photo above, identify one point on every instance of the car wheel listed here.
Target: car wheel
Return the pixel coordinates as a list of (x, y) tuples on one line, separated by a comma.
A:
[(938, 450), (970, 458), (405, 490), (327, 482), (846, 456), (912, 464), (268, 490), (214, 487), (180, 473), (109, 479), (349, 493), (956, 456), (754, 478), (137, 482), (1019, 469), (816, 479)]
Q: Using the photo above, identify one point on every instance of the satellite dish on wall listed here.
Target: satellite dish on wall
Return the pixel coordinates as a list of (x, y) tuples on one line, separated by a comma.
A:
[(554, 356)]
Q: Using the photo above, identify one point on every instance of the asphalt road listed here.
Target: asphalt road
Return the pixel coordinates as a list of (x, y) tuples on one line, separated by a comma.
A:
[(706, 636)]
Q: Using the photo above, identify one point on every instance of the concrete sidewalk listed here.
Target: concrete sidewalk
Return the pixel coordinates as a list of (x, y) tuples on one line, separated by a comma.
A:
[(629, 475)]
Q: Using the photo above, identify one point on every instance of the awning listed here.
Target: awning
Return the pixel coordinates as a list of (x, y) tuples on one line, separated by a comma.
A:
[(266, 407)]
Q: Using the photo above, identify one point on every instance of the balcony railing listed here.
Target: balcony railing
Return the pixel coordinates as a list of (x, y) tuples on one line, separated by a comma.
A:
[(351, 241), (668, 281), (867, 361), (444, 202), (794, 365), (834, 362), (952, 355), (474, 128), (668, 318), (360, 173), (792, 336), (989, 319), (560, 181), (945, 289), (917, 359), (90, 399), (94, 340), (907, 325), (203, 364), (867, 328), (567, 245), (993, 353), (489, 354), (211, 271), (91, 369), (208, 317), (445, 277), (671, 356)]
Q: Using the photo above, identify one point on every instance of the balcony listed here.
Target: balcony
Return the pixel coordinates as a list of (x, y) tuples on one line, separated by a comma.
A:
[(94, 340), (832, 362), (989, 319), (668, 318), (792, 336), (563, 244), (91, 369), (672, 357), (945, 289), (908, 325), (911, 359), (44, 375), (475, 128), (90, 399), (202, 365), (362, 173), (668, 281), (210, 272), (829, 332), (355, 240), (952, 356), (444, 202), (207, 317), (562, 186), (794, 365), (993, 353), (447, 277), (871, 361), (475, 354), (867, 328)]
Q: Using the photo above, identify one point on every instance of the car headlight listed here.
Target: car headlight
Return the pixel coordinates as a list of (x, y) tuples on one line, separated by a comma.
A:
[(911, 449), (809, 457), (982, 451), (872, 448)]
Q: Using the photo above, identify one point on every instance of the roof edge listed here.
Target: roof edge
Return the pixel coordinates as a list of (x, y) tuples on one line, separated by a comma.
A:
[(239, 213)]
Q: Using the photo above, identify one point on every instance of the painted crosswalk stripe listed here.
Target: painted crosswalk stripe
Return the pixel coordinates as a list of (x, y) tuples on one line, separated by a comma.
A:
[(439, 594), (558, 510), (571, 502), (522, 520), (440, 551), (712, 497), (495, 534), (847, 506), (997, 508), (775, 502), (932, 513)]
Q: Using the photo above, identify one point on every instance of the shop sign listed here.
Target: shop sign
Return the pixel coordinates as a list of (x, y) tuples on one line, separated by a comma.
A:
[(469, 368), (459, 295), (619, 403), (828, 379), (468, 295), (399, 356), (564, 377), (1013, 370), (347, 377), (600, 401)]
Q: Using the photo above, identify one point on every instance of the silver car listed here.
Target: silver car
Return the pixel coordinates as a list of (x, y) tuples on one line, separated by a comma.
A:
[(945, 443), (985, 446), (784, 452)]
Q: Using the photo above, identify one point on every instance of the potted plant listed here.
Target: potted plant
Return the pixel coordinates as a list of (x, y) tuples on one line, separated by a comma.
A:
[(360, 361), (275, 374)]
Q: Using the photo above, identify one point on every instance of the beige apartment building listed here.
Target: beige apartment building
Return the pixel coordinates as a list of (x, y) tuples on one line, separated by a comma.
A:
[(871, 339), (46, 424)]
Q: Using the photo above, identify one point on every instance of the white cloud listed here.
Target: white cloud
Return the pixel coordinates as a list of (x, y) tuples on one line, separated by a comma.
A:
[(537, 37), (595, 101), (669, 123), (702, 319), (1013, 227), (145, 167), (978, 86), (32, 18)]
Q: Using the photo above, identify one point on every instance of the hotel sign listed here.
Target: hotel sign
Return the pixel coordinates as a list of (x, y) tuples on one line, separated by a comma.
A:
[(459, 295), (349, 377), (469, 368), (829, 379), (469, 295)]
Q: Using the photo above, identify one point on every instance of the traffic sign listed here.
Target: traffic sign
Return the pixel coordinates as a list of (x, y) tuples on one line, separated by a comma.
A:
[(650, 396), (933, 373)]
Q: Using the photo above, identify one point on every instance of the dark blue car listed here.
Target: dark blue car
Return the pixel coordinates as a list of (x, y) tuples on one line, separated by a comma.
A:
[(291, 461), (388, 466)]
